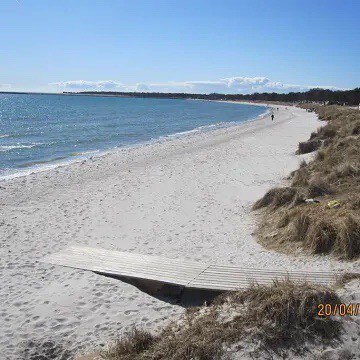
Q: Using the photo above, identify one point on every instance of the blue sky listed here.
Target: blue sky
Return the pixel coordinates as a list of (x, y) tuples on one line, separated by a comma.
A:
[(191, 46)]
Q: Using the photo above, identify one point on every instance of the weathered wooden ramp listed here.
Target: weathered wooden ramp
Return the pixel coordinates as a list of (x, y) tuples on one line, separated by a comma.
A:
[(185, 274)]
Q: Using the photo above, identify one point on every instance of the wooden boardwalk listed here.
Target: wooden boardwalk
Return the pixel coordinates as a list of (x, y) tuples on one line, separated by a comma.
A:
[(186, 274)]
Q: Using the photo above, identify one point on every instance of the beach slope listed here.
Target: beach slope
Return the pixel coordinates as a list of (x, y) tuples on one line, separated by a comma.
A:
[(188, 198)]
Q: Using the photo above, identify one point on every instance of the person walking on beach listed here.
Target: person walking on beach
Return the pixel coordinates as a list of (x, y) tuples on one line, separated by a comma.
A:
[(272, 117)]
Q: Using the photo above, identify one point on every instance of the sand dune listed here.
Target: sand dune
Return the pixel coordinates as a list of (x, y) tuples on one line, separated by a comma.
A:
[(185, 198)]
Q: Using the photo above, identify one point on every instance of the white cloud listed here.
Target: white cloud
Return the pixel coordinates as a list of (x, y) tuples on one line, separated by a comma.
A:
[(233, 85), (141, 87), (5, 86), (88, 85)]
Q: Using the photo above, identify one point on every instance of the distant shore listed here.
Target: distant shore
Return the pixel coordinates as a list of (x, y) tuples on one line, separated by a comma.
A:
[(316, 95)]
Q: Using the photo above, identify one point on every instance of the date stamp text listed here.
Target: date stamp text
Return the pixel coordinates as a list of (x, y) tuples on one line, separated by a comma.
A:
[(339, 309)]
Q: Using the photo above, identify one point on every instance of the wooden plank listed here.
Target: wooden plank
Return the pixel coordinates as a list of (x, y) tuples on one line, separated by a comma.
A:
[(222, 268), (115, 263), (187, 274), (233, 278)]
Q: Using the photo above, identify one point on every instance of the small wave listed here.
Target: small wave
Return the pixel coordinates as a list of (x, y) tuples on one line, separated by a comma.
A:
[(4, 148), (2, 136), (216, 125), (180, 134), (203, 128), (41, 162), (83, 153)]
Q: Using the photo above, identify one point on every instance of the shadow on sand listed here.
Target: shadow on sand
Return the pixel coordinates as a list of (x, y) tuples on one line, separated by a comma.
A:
[(172, 294)]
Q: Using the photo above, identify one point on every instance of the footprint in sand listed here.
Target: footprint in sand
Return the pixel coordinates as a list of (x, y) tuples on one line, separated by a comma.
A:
[(129, 312)]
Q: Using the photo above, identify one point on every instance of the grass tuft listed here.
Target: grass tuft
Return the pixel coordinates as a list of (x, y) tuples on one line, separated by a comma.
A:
[(130, 345), (318, 187), (347, 241), (347, 277), (321, 237), (346, 169), (271, 318), (286, 312), (308, 146), (276, 197), (298, 226), (326, 132)]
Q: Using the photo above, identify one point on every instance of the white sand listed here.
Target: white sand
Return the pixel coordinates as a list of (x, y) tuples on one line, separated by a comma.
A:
[(185, 198)]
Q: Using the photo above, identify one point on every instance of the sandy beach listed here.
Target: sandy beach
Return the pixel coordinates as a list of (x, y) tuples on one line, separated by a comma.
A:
[(186, 198)]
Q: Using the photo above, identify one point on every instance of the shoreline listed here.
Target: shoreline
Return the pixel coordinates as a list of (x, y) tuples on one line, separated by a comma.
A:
[(50, 164), (187, 198)]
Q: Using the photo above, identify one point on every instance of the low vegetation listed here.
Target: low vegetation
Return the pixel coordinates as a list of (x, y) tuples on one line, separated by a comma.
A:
[(320, 210), (261, 318), (308, 146), (348, 97)]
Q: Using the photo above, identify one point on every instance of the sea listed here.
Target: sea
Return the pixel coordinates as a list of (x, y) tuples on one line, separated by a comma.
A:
[(42, 131)]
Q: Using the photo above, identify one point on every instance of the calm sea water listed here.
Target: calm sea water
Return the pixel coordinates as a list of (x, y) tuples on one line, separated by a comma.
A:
[(38, 130)]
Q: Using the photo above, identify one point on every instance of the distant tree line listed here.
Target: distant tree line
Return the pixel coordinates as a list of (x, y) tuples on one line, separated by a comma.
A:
[(347, 97)]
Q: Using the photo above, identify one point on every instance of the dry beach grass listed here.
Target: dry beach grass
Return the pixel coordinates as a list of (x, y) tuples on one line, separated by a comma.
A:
[(333, 174), (271, 318)]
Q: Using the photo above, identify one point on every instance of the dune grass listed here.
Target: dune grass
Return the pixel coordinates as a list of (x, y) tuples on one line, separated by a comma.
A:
[(269, 318), (276, 197), (308, 146), (334, 174), (131, 346)]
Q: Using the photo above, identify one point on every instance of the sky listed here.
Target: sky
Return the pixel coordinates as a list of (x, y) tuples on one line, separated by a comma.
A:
[(179, 46)]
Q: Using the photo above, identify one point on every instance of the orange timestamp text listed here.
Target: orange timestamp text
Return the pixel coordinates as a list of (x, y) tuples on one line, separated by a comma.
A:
[(338, 309)]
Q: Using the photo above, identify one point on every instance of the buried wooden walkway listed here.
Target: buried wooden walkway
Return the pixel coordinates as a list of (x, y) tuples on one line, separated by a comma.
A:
[(184, 274)]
